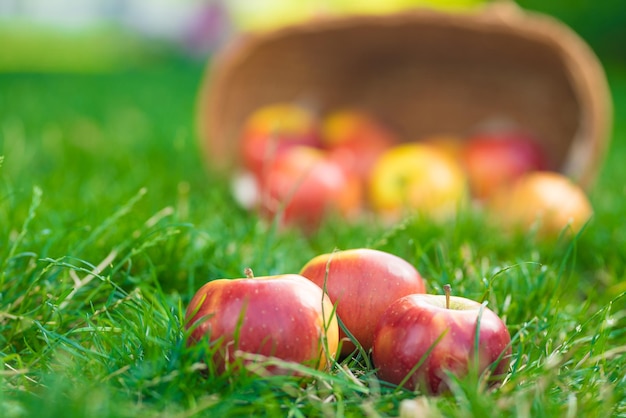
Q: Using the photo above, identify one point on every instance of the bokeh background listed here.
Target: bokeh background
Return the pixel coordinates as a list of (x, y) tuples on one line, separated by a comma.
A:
[(101, 35), (108, 88)]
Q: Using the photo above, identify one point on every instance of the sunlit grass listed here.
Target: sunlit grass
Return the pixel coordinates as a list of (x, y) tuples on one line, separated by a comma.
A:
[(109, 221), (35, 47)]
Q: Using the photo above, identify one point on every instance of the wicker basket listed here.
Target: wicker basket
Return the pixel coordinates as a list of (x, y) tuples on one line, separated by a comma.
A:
[(425, 73)]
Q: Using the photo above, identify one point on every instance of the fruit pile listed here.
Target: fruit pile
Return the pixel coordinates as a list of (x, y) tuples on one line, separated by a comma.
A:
[(416, 340), (301, 168)]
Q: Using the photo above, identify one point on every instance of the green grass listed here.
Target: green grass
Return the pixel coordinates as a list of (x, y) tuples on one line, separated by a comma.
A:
[(100, 47), (109, 222)]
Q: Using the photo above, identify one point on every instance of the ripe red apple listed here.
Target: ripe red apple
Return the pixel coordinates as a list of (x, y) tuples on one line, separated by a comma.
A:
[(271, 129), (303, 185), (362, 283), (495, 159), (430, 335), (283, 316), (544, 200), (356, 139), (416, 177)]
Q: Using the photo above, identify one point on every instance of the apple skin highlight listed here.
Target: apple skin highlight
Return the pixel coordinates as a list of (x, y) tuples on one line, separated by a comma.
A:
[(419, 328), (283, 316), (362, 282)]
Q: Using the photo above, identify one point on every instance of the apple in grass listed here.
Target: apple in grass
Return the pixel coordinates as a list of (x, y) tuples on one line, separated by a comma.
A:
[(495, 159), (303, 186), (419, 339), (283, 316), (362, 283), (416, 177), (548, 202), (355, 139), (271, 129)]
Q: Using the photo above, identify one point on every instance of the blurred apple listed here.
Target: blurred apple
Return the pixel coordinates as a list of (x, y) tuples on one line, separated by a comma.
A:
[(544, 200), (420, 338), (362, 283), (284, 316), (356, 139), (419, 178), (495, 159), (272, 129), (450, 145), (302, 186)]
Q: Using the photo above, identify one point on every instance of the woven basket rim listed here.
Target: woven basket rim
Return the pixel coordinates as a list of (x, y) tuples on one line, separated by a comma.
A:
[(585, 73)]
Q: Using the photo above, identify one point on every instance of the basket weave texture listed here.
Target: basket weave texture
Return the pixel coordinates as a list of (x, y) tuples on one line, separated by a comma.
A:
[(424, 73)]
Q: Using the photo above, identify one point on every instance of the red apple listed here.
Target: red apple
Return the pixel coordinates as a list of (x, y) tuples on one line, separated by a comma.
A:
[(356, 139), (547, 201), (495, 159), (362, 283), (271, 129), (420, 338), (303, 186), (283, 316), (416, 178)]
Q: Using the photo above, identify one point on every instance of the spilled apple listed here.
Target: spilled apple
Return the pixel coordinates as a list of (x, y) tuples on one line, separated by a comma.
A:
[(362, 282), (355, 139), (494, 160), (302, 186), (421, 338), (548, 202), (416, 177), (270, 130), (283, 316)]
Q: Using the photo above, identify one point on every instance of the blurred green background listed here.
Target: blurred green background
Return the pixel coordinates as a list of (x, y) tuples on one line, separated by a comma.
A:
[(56, 35), (601, 23)]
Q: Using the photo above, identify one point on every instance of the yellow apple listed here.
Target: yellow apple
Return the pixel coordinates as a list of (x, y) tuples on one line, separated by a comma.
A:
[(547, 201), (416, 177), (450, 144)]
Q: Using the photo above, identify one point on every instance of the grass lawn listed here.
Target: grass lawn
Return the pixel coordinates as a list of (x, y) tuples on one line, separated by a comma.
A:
[(109, 222)]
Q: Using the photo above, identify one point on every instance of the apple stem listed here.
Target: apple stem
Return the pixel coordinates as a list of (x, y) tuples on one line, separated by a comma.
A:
[(447, 290), (248, 272)]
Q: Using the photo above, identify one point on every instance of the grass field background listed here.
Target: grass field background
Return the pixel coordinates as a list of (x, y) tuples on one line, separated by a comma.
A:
[(109, 221)]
